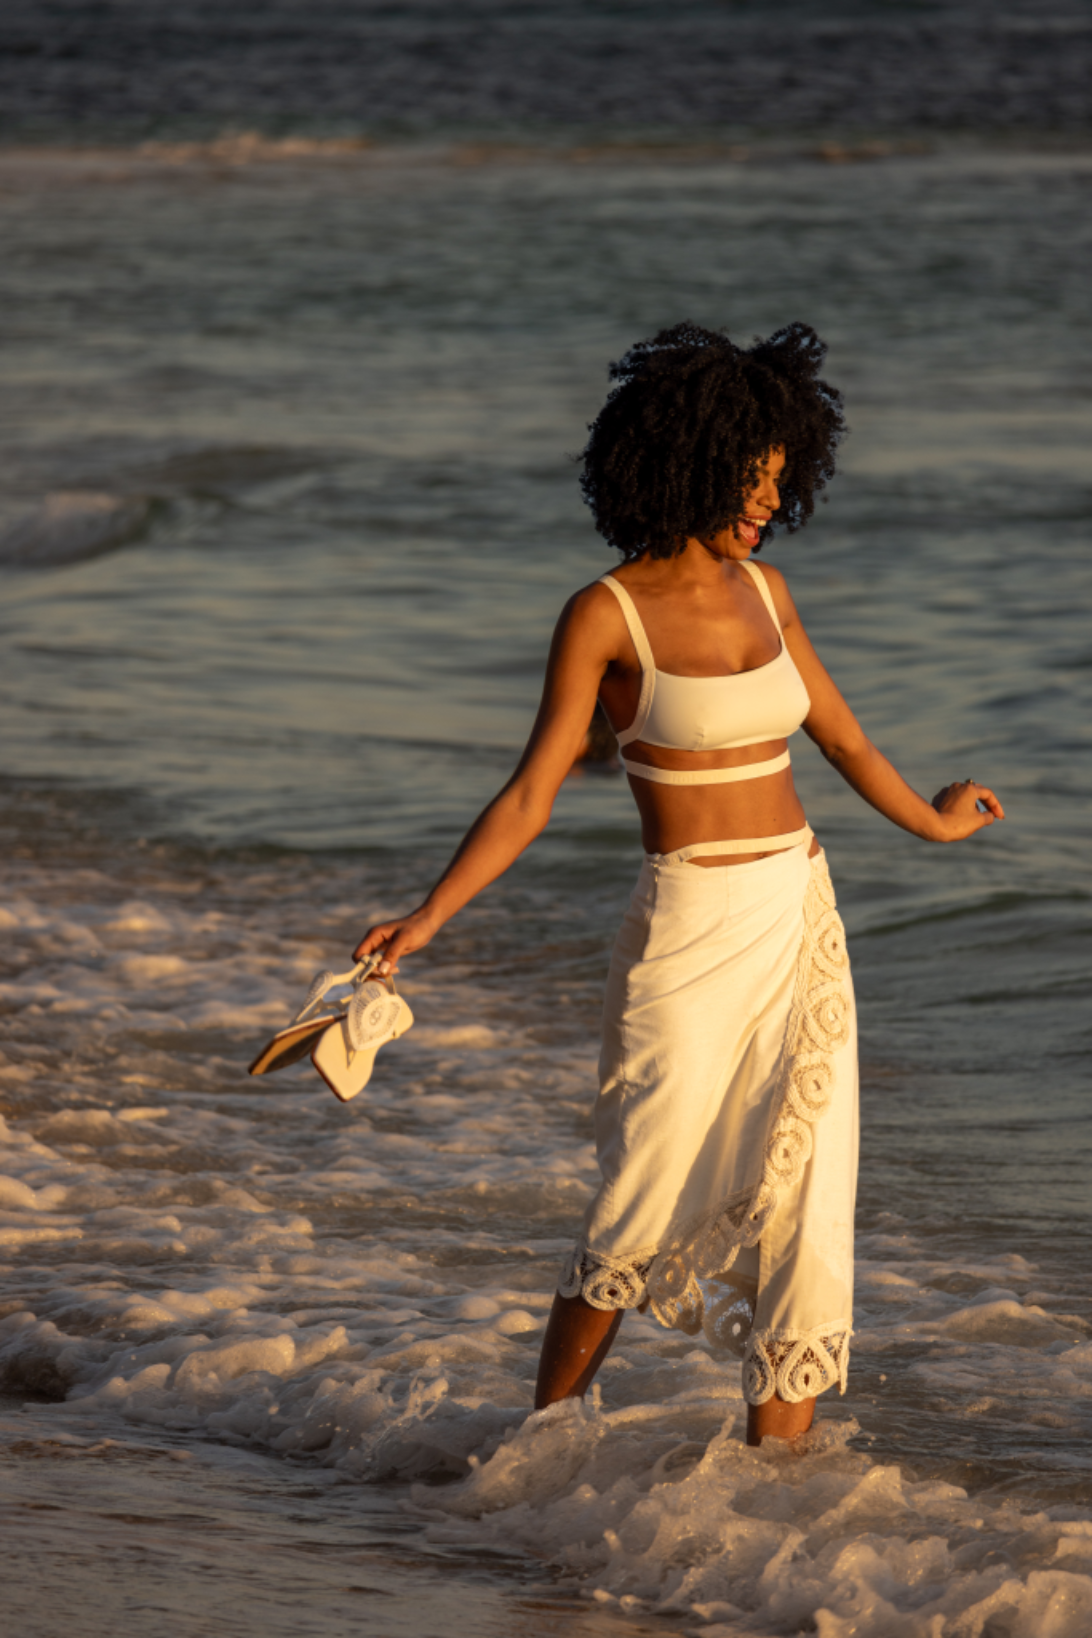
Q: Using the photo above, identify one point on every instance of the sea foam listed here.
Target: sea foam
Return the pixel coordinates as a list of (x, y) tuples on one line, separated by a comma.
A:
[(364, 1290)]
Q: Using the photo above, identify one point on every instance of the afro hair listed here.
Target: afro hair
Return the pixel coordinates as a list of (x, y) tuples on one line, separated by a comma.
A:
[(676, 447)]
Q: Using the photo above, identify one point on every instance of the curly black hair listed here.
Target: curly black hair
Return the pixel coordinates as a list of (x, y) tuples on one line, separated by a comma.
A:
[(676, 447)]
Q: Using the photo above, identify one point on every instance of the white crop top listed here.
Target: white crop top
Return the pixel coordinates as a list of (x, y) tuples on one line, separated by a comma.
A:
[(712, 713)]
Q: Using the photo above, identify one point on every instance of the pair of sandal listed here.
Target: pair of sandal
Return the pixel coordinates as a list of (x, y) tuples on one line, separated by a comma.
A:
[(342, 1033)]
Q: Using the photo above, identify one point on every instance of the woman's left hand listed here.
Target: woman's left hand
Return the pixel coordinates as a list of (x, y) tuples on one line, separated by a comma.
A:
[(958, 807)]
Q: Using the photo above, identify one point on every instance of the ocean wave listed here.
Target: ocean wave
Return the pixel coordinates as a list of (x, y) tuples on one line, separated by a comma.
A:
[(233, 150), (71, 525), (253, 147), (645, 1499), (364, 1289)]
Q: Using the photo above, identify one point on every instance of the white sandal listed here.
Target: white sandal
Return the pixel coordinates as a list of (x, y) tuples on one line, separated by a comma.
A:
[(345, 1054), (342, 1035)]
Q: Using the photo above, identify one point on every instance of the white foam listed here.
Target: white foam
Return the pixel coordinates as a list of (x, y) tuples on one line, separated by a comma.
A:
[(364, 1288)]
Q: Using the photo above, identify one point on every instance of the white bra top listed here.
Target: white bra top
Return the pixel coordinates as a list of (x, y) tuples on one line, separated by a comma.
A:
[(712, 713)]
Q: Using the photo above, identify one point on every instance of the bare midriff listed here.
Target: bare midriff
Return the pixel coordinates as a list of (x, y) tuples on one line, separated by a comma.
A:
[(677, 816)]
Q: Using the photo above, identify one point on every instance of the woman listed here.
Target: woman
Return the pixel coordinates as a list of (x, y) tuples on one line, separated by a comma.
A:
[(726, 1123)]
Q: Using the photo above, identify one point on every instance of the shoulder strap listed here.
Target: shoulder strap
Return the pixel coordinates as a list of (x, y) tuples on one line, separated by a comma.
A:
[(644, 655), (633, 622), (759, 579)]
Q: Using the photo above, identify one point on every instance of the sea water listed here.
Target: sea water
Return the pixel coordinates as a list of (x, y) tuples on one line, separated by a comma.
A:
[(288, 510)]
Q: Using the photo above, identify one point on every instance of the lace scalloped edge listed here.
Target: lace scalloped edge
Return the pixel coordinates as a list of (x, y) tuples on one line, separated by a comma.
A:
[(665, 1279), (796, 1365)]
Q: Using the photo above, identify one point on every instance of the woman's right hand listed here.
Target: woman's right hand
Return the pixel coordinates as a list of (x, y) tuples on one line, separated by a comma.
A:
[(397, 938)]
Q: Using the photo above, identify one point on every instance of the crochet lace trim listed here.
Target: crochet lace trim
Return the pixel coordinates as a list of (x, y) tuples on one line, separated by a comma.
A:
[(666, 1278), (796, 1365)]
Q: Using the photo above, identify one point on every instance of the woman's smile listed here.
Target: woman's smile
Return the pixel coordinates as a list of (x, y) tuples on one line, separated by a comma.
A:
[(748, 531)]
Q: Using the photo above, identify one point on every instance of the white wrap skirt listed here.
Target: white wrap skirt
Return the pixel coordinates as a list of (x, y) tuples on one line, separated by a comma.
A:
[(726, 1122)]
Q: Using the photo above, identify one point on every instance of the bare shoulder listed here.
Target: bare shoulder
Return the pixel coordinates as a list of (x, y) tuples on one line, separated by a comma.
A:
[(593, 616), (592, 603), (779, 591)]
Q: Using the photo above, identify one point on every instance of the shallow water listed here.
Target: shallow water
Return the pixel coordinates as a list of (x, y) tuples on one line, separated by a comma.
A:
[(287, 514)]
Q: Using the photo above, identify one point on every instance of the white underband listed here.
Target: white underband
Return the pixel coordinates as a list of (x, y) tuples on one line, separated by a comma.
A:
[(741, 844), (707, 776)]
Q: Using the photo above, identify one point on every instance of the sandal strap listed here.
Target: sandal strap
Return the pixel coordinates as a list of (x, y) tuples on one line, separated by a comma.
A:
[(326, 981)]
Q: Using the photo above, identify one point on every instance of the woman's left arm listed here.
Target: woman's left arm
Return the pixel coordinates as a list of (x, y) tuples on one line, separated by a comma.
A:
[(953, 813)]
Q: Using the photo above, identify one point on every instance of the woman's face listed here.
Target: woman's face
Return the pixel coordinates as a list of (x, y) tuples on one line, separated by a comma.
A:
[(759, 505)]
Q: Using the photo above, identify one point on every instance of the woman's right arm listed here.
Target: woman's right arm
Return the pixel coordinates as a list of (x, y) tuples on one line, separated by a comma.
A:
[(586, 639)]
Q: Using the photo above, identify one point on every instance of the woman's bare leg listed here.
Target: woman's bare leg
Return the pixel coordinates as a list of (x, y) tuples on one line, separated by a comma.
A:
[(577, 1341), (777, 1417)]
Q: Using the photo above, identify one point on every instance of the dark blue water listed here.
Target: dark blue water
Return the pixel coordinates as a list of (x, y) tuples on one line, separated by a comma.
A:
[(75, 71)]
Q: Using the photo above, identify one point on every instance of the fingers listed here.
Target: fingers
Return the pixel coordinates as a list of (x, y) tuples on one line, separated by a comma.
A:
[(395, 939), (407, 937), (374, 939), (966, 807), (986, 806), (989, 801), (964, 797), (398, 946)]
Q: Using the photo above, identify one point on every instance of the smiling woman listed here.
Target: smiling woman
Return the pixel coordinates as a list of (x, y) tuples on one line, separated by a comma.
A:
[(726, 1124), (682, 445)]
